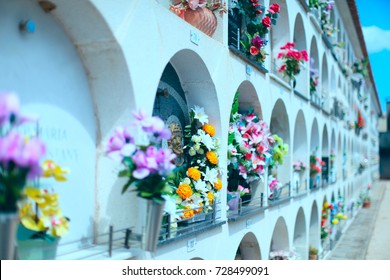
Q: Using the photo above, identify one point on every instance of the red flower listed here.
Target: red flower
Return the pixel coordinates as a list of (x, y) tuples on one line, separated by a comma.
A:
[(266, 22), (297, 55), (288, 46), (282, 68), (254, 51), (305, 55), (275, 8)]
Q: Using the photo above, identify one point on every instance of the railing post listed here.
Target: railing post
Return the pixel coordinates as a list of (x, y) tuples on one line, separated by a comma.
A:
[(240, 206), (261, 199), (110, 238), (169, 226), (127, 237)]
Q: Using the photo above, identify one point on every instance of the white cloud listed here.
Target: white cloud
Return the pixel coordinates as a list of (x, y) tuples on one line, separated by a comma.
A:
[(376, 39)]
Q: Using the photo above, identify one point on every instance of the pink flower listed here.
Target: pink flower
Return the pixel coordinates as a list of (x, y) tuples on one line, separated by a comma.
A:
[(193, 4), (305, 55), (282, 68)]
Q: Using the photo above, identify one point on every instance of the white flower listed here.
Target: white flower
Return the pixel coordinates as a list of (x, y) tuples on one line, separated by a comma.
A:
[(232, 150), (170, 207), (192, 201), (201, 186), (211, 175), (196, 147), (207, 140), (200, 114), (196, 138)]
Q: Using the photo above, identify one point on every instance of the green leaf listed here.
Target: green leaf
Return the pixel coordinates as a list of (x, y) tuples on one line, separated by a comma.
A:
[(273, 21), (127, 185), (124, 173)]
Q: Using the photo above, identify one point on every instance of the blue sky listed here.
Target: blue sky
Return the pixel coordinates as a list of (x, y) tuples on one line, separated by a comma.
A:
[(375, 20)]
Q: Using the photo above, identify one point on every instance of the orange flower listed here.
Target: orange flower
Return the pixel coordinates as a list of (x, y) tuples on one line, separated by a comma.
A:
[(218, 184), (199, 210), (212, 157), (210, 197), (209, 129), (184, 191), (188, 213), (193, 173)]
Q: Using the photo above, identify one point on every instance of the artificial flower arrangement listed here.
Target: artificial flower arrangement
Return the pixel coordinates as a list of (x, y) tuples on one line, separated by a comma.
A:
[(360, 120), (39, 209), (249, 147), (199, 13), (314, 80), (258, 26), (278, 150), (315, 165), (324, 7), (146, 165), (292, 60), (274, 187), (332, 157), (360, 67), (19, 156), (196, 183), (284, 255), (299, 166), (324, 220)]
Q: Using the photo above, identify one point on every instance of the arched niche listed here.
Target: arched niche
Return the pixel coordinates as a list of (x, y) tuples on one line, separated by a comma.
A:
[(170, 104), (314, 228), (280, 126), (280, 33), (300, 152), (325, 226), (339, 157), (333, 167), (249, 248), (197, 84), (279, 241), (325, 83), (300, 238), (325, 155), (314, 138), (314, 71), (302, 79), (248, 99), (79, 88)]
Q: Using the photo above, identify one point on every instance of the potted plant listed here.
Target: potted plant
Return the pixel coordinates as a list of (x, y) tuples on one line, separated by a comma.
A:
[(199, 13), (19, 162), (196, 184), (313, 253), (146, 166), (292, 61), (42, 223), (366, 201)]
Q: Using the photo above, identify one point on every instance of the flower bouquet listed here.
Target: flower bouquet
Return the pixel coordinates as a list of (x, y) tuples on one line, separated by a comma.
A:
[(196, 184), (292, 60), (299, 166), (145, 164), (41, 220), (274, 187), (19, 162), (257, 28)]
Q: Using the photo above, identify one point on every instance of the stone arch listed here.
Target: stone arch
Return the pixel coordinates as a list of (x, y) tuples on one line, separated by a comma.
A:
[(302, 80), (325, 83), (300, 152), (280, 126), (300, 238), (314, 228), (249, 248), (279, 239)]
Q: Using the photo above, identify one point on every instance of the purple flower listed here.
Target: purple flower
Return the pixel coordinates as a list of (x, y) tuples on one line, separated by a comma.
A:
[(164, 160), (24, 154), (257, 42)]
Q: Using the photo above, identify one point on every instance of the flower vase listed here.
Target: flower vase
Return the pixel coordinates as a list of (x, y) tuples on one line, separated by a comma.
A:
[(152, 225), (37, 249), (296, 181), (201, 18), (8, 226), (233, 200)]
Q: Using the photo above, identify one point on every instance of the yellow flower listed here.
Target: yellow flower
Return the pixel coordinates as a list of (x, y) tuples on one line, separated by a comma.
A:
[(29, 220), (209, 129), (34, 194), (210, 197), (212, 157), (184, 191), (218, 184), (188, 213), (51, 169), (193, 173), (59, 227)]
